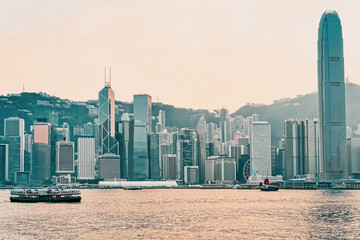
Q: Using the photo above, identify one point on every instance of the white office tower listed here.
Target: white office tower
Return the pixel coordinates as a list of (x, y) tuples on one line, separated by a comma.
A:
[(261, 148), (86, 157)]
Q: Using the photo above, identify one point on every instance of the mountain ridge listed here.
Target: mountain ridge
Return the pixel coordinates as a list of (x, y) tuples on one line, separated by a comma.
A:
[(31, 106)]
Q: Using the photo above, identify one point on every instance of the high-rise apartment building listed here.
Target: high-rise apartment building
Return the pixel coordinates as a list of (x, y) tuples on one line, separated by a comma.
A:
[(331, 92)]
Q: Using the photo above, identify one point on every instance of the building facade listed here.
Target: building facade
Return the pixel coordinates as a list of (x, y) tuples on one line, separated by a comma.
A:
[(41, 167), (331, 92), (138, 151), (142, 110), (64, 157), (86, 158), (261, 148), (107, 120)]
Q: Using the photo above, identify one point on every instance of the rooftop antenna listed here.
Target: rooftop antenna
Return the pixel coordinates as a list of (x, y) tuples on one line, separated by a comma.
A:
[(110, 77), (105, 75)]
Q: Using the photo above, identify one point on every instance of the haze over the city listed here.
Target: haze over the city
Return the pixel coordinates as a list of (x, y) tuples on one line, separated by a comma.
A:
[(198, 54)]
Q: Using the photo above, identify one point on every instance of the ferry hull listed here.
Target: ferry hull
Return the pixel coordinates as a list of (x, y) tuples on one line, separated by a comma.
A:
[(269, 189), (45, 199)]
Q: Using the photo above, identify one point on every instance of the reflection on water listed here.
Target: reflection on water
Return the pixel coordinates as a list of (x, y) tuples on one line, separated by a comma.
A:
[(334, 215), (185, 214)]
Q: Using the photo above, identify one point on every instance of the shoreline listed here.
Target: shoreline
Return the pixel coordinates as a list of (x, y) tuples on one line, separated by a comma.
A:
[(179, 187)]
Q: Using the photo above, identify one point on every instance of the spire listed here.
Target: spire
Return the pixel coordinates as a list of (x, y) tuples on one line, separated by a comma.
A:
[(107, 83)]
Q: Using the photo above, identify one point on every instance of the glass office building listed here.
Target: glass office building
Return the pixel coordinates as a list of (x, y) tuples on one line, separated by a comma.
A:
[(41, 166), (261, 148), (138, 151), (107, 120), (331, 91), (142, 109), (154, 157)]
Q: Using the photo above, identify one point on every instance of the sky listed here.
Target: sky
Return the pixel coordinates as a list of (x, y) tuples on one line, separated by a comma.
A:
[(196, 54)]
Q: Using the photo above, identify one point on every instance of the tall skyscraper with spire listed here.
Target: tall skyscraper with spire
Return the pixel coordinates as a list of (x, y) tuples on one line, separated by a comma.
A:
[(331, 91), (107, 119)]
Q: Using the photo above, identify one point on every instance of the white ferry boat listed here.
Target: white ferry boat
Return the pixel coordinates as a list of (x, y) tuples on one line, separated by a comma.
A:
[(45, 195)]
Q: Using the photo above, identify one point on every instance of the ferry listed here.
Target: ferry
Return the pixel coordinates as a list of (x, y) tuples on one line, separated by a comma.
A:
[(45, 195)]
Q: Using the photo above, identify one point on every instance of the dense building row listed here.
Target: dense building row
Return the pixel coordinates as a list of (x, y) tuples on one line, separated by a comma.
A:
[(128, 146)]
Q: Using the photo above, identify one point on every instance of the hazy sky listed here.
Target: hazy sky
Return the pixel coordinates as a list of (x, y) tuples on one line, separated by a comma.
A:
[(198, 54)]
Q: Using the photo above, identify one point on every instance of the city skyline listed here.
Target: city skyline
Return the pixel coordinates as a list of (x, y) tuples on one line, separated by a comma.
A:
[(218, 53)]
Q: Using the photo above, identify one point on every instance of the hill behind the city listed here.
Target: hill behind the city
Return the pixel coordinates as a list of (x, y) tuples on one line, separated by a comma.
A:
[(304, 106), (31, 106)]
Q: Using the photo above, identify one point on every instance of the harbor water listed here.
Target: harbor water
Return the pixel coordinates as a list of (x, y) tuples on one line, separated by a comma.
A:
[(187, 214)]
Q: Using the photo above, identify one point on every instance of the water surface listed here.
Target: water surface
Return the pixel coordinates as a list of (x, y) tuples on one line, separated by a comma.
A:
[(185, 214)]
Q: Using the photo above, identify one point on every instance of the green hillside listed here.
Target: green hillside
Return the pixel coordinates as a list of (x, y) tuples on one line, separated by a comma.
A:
[(31, 106)]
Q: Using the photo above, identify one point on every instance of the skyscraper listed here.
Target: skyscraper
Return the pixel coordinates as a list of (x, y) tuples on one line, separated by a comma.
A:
[(201, 151), (331, 91), (142, 109), (186, 151), (86, 157), (107, 120), (138, 151), (64, 157), (124, 130), (294, 131), (222, 123), (261, 148), (41, 167), (154, 157), (14, 127), (9, 158)]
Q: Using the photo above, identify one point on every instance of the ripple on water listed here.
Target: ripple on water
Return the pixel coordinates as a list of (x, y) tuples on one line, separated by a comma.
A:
[(187, 213)]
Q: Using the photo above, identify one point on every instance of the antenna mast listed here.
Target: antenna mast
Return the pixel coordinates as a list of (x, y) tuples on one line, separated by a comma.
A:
[(105, 75)]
